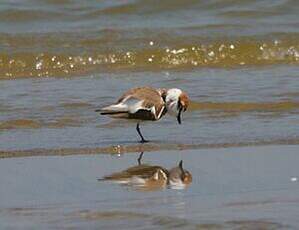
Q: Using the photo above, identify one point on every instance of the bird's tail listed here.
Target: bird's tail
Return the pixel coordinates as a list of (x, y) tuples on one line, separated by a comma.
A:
[(113, 109)]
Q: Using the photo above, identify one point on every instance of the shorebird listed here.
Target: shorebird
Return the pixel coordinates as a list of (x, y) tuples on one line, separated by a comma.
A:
[(152, 177), (147, 103)]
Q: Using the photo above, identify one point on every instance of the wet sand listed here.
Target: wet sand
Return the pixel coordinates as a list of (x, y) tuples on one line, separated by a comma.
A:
[(234, 187), (133, 148)]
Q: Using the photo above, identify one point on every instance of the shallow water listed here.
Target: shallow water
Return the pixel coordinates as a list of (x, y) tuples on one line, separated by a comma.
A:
[(61, 60), (71, 38), (238, 61), (229, 106), (250, 187)]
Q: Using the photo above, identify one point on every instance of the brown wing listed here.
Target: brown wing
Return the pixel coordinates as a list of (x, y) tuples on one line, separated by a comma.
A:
[(150, 97)]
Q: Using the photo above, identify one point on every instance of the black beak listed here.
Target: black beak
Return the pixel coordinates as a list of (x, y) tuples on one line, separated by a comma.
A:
[(179, 117)]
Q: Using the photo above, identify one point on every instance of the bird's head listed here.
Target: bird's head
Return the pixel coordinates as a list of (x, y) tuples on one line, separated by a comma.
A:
[(179, 177), (177, 102)]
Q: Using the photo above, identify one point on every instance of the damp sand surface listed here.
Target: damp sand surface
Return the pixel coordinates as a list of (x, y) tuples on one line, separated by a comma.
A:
[(232, 188)]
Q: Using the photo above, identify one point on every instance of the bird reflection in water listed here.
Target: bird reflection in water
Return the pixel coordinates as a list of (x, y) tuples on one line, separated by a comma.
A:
[(146, 177)]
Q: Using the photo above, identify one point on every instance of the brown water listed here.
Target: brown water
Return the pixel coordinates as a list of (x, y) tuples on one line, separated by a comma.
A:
[(61, 60), (71, 38)]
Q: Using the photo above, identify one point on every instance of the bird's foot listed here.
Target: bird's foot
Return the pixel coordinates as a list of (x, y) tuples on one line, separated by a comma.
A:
[(144, 141)]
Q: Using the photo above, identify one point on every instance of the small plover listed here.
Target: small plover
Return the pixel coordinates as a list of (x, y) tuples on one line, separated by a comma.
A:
[(147, 103)]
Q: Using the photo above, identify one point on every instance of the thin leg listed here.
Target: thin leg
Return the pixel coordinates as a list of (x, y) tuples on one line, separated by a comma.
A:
[(142, 138)]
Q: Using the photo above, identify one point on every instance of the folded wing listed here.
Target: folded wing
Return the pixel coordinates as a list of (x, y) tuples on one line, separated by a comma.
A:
[(143, 103)]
